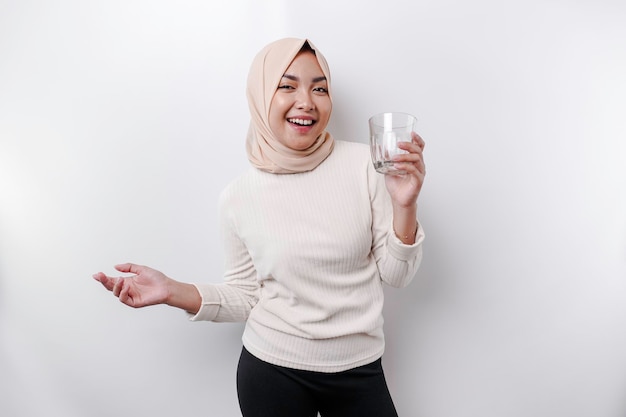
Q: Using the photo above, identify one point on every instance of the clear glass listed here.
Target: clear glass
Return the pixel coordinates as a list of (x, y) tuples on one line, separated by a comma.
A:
[(386, 130)]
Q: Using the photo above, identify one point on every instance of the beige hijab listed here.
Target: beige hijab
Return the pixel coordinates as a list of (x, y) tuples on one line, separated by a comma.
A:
[(265, 152)]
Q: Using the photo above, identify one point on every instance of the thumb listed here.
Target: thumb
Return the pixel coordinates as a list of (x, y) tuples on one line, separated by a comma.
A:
[(128, 267)]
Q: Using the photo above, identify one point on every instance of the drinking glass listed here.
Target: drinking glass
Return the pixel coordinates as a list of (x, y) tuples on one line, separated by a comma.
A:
[(386, 130)]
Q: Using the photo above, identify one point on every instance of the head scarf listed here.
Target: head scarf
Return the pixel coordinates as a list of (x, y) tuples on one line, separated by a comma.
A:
[(265, 152)]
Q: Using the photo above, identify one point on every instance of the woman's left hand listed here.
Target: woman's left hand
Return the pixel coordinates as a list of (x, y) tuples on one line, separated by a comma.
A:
[(404, 189)]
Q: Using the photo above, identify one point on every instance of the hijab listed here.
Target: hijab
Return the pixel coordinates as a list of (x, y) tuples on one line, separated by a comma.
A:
[(265, 152)]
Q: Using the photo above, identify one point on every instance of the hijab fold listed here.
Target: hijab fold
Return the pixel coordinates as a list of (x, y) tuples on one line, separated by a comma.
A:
[(265, 152)]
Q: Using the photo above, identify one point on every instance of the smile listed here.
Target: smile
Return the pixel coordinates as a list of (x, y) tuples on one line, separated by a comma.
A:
[(301, 122)]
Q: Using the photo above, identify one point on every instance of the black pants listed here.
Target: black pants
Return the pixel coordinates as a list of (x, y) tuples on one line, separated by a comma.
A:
[(267, 390)]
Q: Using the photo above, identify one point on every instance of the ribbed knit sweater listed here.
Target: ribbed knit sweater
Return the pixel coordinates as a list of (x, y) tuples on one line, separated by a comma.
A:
[(306, 256)]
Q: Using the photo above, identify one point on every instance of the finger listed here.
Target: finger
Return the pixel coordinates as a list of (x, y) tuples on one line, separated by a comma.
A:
[(124, 295), (412, 147), (106, 282), (409, 168), (413, 156), (420, 166), (99, 276), (417, 139), (413, 163), (129, 267), (117, 288)]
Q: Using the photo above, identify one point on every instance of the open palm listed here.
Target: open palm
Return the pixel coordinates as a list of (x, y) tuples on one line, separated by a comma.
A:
[(146, 287)]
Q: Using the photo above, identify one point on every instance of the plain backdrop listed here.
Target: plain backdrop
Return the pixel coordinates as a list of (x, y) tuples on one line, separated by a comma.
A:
[(121, 122)]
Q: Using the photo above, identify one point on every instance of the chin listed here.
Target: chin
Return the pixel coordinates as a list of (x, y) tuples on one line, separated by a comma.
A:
[(301, 144), (299, 147)]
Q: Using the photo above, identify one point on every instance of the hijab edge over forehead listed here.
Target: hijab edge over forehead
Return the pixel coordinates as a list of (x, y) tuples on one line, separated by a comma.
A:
[(264, 151)]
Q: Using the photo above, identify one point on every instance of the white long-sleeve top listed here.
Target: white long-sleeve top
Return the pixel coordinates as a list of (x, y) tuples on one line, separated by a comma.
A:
[(306, 256)]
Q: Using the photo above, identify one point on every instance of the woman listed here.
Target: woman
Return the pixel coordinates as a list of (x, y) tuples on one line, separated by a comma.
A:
[(310, 234)]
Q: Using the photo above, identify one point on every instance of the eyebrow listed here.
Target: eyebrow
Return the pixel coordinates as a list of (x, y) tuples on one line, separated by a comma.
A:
[(294, 78)]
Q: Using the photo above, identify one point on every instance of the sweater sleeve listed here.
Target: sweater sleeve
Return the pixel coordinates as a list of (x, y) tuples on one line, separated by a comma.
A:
[(397, 263), (233, 299)]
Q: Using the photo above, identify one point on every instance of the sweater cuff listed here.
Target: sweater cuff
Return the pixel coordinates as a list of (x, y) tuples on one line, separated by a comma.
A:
[(402, 251), (210, 304)]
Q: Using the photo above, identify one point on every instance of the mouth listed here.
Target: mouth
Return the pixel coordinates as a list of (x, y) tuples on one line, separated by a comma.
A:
[(301, 122)]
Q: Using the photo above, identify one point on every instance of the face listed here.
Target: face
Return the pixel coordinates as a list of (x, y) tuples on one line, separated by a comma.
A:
[(301, 106)]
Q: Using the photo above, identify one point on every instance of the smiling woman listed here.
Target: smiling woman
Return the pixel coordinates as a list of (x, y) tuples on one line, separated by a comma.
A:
[(300, 109), (302, 101), (122, 121), (311, 232), (298, 89)]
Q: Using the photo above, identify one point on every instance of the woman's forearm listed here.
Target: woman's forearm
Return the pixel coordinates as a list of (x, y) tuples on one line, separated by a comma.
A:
[(184, 296), (405, 223)]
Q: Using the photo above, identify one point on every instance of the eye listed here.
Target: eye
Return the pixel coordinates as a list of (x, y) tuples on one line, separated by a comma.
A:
[(285, 87), (322, 90)]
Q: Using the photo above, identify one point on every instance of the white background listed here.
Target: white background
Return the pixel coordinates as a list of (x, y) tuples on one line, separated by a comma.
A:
[(121, 121)]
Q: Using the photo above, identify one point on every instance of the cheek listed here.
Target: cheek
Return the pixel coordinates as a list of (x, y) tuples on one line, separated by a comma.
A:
[(280, 103), (326, 108), (274, 126), (275, 114)]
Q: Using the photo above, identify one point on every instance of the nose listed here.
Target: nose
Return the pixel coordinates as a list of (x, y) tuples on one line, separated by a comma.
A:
[(304, 100)]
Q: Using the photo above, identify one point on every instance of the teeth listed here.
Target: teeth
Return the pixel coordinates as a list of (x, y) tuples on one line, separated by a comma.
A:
[(301, 122)]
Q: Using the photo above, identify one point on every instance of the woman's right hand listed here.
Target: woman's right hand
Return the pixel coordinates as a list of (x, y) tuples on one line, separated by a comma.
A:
[(147, 287)]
